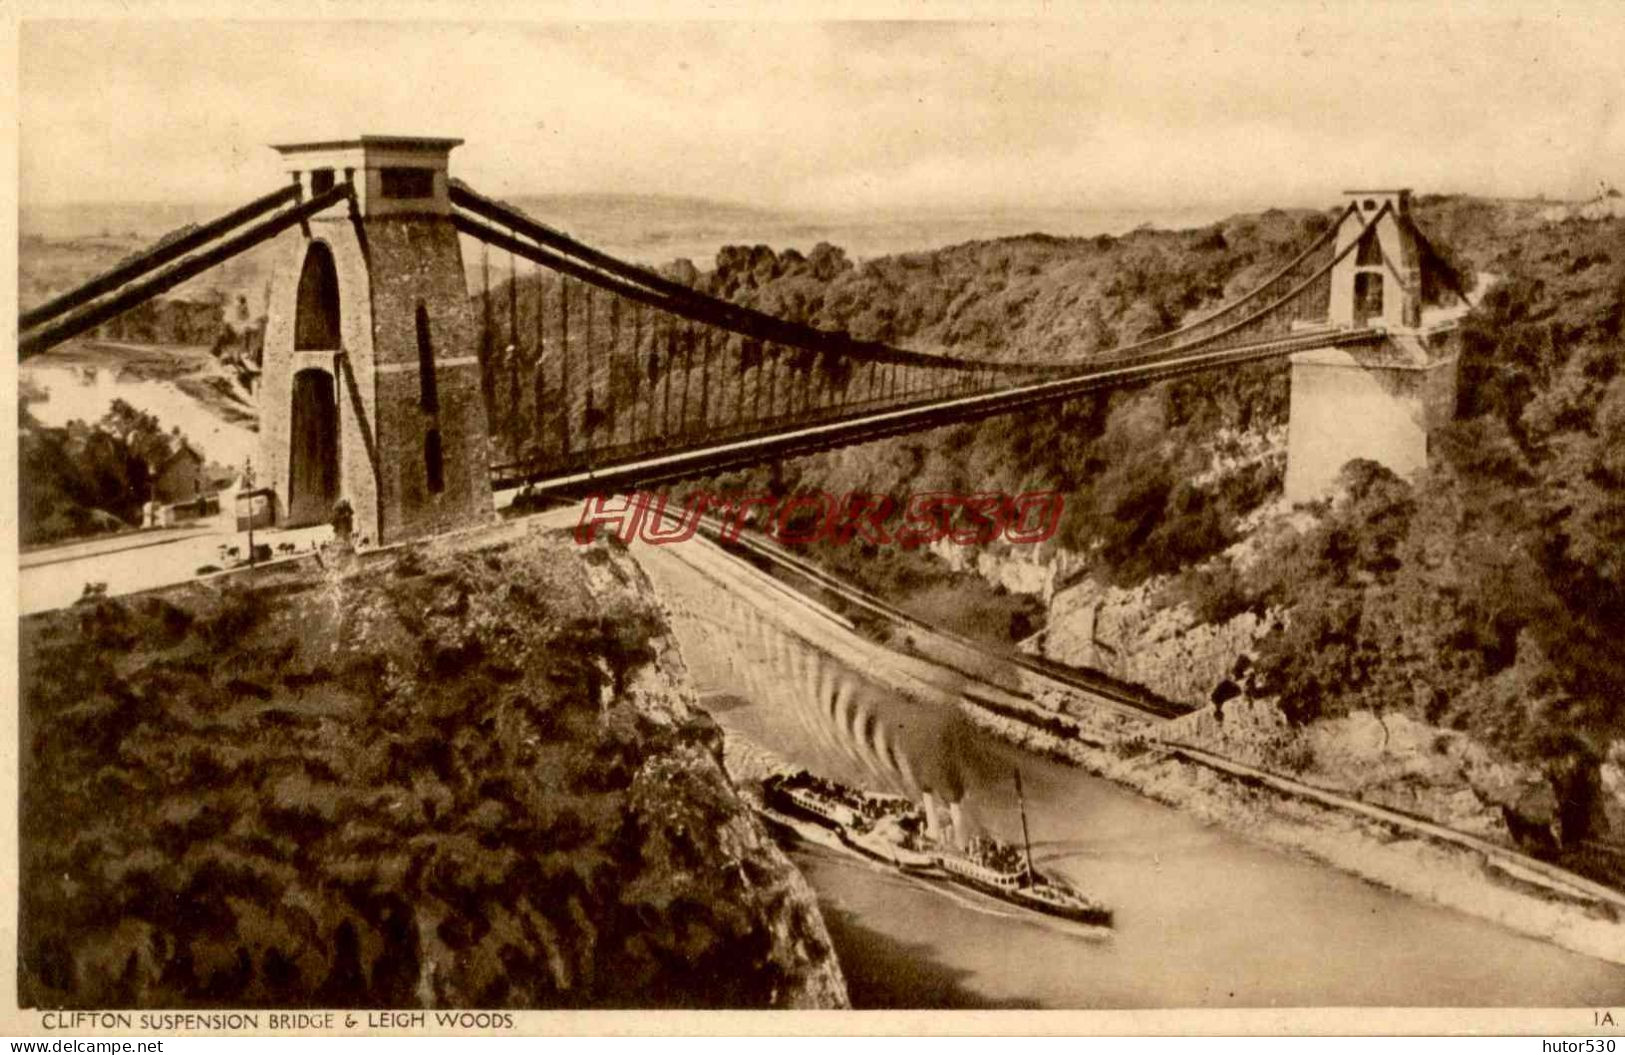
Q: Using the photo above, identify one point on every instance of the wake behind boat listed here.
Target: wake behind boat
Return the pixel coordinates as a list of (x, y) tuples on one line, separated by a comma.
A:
[(918, 841)]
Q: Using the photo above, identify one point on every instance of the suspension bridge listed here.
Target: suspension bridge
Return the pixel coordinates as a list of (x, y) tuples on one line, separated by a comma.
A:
[(386, 384)]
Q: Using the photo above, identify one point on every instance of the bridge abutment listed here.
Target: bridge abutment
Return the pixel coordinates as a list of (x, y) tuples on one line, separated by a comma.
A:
[(1381, 399), (1350, 403)]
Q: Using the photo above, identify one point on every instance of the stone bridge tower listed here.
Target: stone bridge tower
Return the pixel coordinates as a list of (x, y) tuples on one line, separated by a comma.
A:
[(370, 377), (1381, 399)]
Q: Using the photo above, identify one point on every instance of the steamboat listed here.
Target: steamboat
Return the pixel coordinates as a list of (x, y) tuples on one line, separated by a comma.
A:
[(917, 840)]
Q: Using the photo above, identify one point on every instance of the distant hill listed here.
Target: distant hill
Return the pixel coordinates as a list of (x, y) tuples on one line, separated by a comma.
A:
[(63, 244), (123, 220), (657, 229)]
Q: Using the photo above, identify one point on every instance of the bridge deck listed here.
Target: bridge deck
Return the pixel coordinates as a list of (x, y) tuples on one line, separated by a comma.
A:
[(606, 473)]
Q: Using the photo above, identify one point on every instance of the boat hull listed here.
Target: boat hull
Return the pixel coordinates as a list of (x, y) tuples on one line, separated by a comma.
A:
[(815, 830), (811, 828), (1090, 915)]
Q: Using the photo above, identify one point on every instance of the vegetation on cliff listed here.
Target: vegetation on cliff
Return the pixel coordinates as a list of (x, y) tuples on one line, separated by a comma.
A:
[(451, 777), (1488, 595)]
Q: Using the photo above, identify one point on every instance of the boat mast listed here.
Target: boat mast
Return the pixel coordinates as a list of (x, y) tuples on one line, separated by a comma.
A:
[(1026, 842)]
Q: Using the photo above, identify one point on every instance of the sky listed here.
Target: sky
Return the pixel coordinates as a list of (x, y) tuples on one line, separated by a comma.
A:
[(1103, 107)]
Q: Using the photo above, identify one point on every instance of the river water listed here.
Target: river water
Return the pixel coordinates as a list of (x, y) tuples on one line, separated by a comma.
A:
[(1204, 918)]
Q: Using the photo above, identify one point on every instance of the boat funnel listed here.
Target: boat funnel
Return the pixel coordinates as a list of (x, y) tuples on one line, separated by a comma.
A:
[(933, 818), (957, 818)]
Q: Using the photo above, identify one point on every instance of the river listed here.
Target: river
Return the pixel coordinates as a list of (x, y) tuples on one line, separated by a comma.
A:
[(1204, 918)]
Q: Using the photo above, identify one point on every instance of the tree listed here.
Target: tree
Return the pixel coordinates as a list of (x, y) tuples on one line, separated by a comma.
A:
[(86, 478), (139, 432)]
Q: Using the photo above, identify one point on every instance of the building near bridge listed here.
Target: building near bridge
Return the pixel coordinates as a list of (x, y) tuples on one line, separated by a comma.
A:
[(183, 476)]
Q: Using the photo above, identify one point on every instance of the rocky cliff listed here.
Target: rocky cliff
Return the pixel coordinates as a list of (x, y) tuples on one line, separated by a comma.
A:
[(1389, 759), (1127, 634), (468, 773)]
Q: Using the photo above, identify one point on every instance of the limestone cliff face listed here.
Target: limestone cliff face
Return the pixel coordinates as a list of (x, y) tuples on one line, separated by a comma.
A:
[(1124, 633), (1024, 569), (1393, 760), (466, 773), (1389, 760)]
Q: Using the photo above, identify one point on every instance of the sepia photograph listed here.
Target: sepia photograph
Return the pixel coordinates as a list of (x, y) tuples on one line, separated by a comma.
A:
[(1116, 510)]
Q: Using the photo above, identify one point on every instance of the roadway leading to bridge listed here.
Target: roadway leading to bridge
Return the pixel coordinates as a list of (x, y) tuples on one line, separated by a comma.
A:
[(145, 560)]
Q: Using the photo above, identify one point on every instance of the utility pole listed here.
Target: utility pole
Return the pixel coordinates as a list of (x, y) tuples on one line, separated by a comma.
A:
[(248, 485)]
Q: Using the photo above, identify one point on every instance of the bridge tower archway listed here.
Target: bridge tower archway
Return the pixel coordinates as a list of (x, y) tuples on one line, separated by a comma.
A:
[(1367, 297), (1379, 283), (370, 383), (316, 324), (313, 456)]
